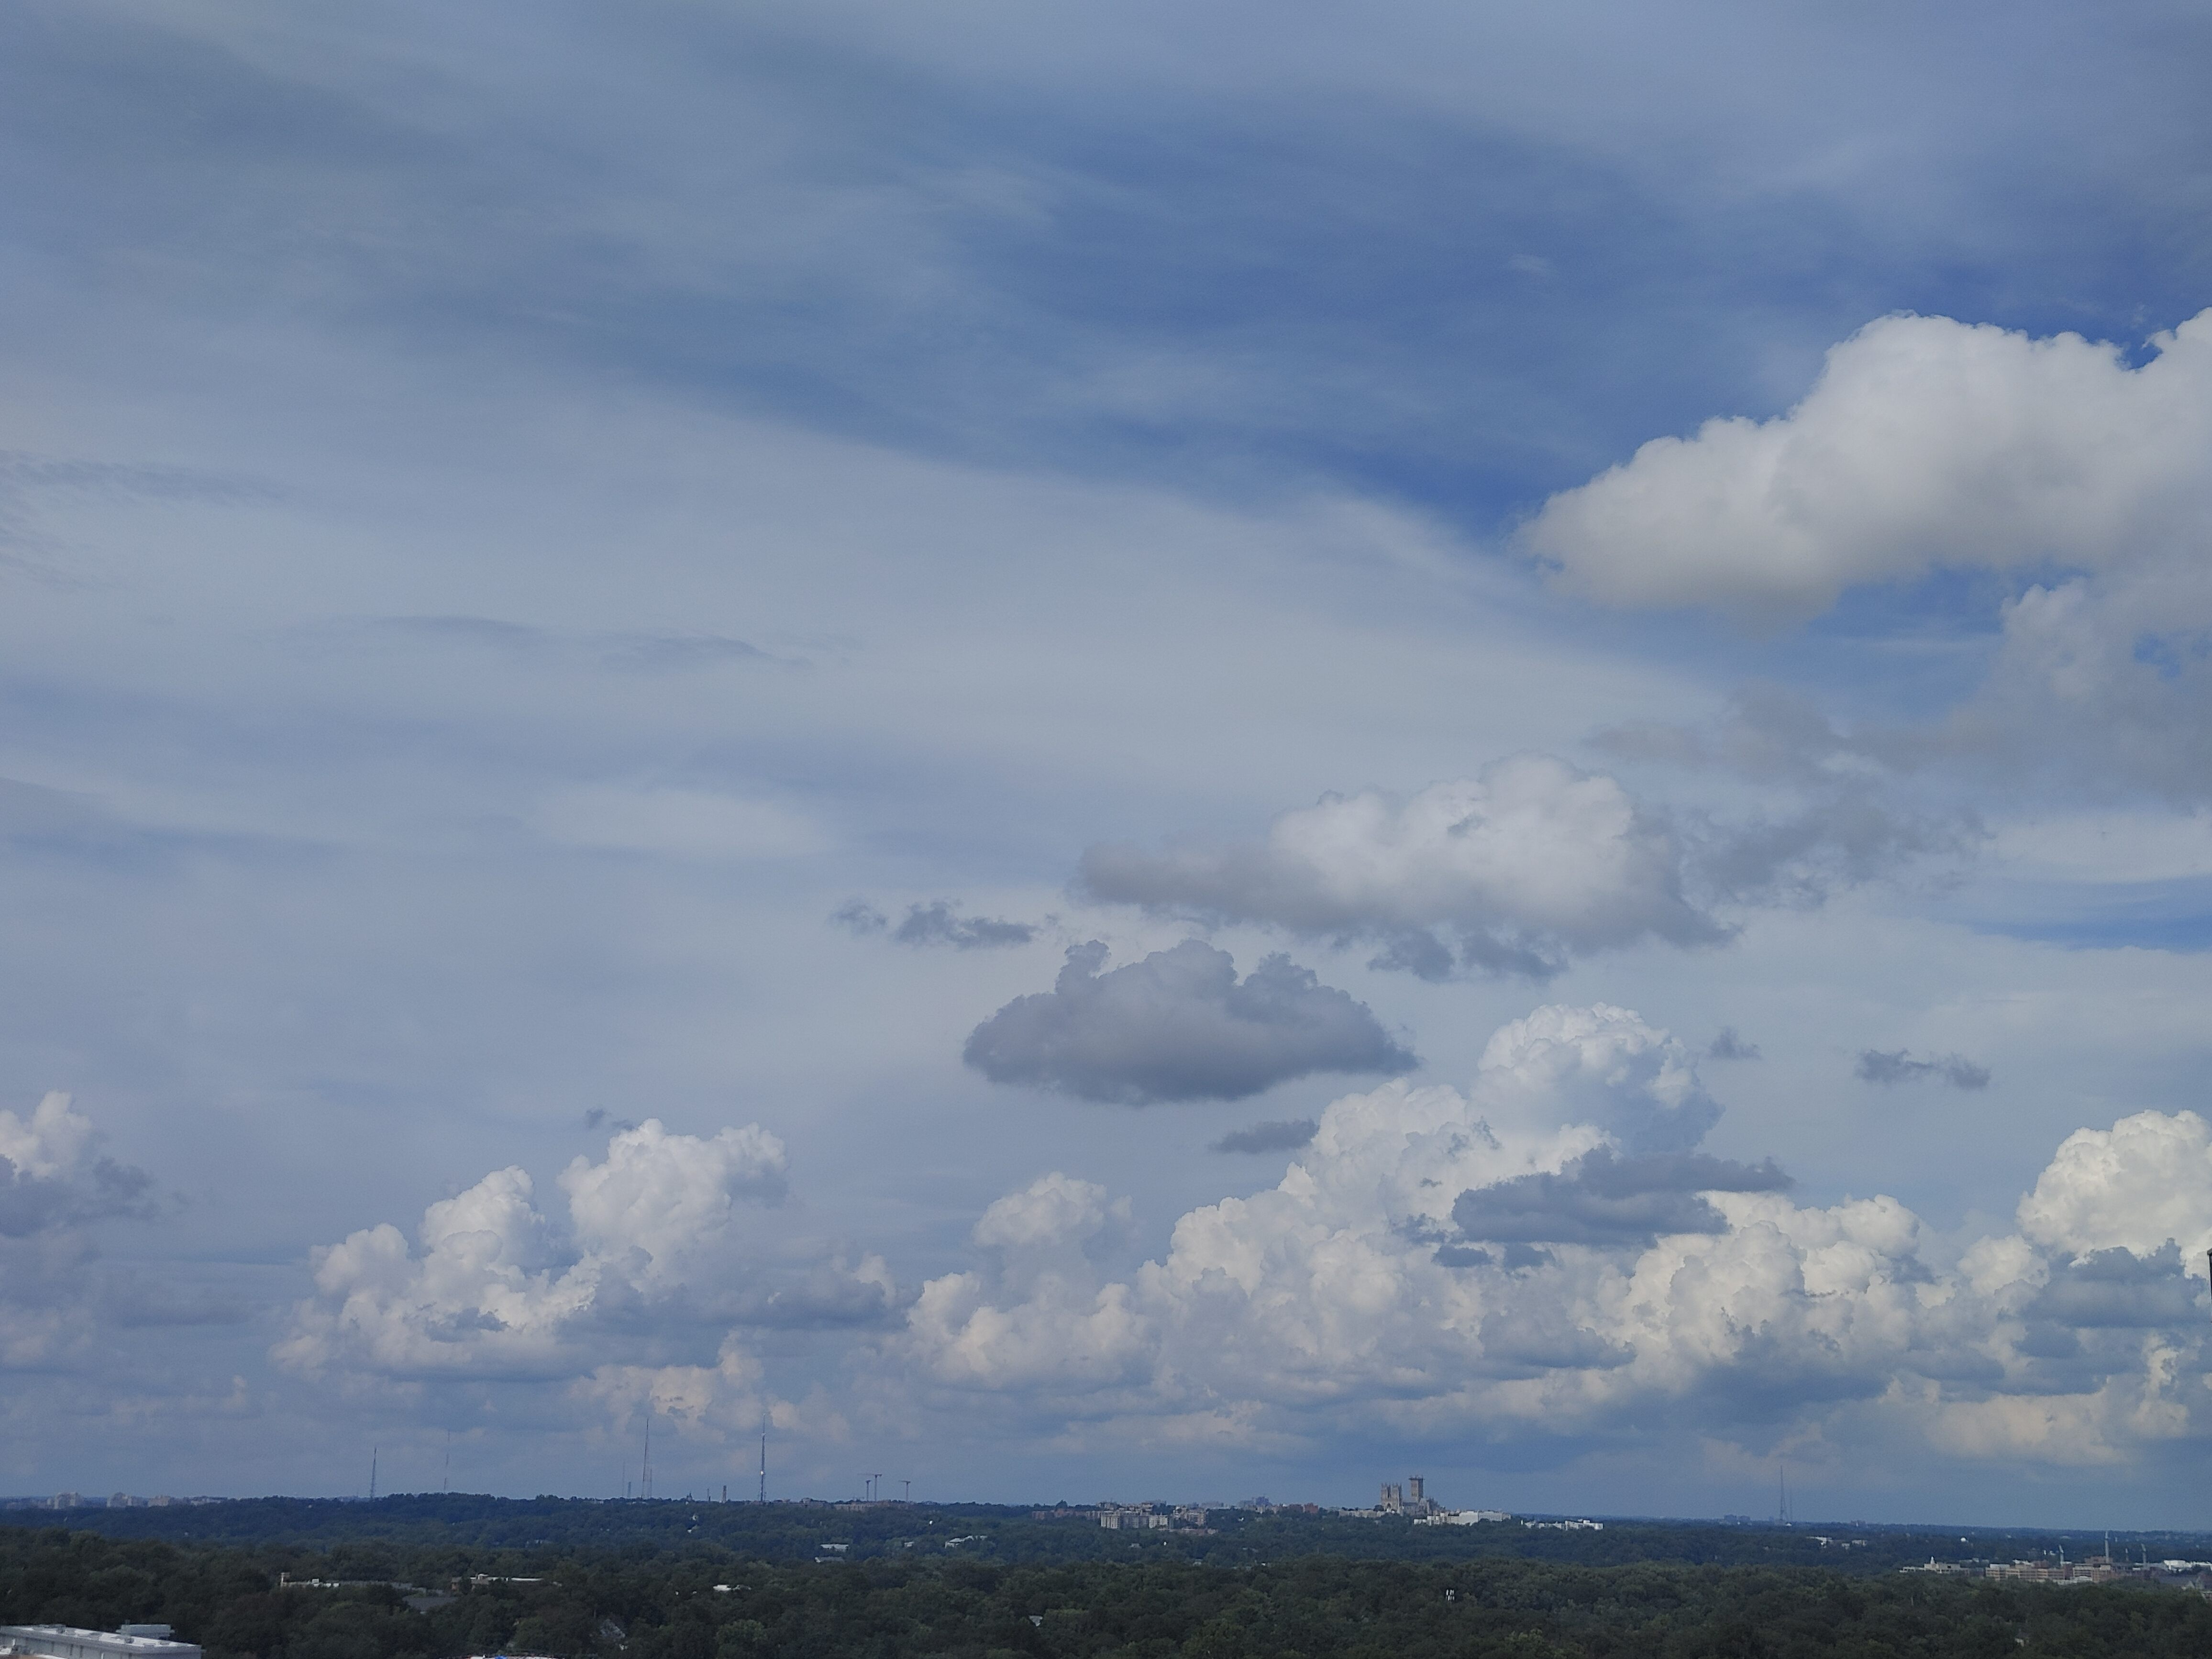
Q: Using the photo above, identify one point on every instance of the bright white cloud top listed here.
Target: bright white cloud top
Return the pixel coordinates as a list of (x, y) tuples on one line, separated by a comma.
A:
[(495, 1288), (1926, 444), (1514, 870)]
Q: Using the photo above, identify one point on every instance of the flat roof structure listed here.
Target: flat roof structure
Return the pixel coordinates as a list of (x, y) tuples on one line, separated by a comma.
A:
[(67, 1641)]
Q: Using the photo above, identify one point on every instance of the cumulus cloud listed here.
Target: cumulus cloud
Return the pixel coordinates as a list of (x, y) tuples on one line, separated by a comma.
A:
[(1928, 444), (2144, 1182), (1284, 1136), (1179, 1025), (1515, 870), (56, 1185), (1925, 443), (52, 1173), (1393, 1281), (1890, 1067), (494, 1287), (935, 923)]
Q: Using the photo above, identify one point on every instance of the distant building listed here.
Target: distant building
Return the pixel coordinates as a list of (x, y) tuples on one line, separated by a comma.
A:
[(67, 1641), (1409, 1499), (1133, 1518)]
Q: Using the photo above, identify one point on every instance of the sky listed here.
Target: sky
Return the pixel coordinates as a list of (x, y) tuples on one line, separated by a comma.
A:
[(1114, 753)]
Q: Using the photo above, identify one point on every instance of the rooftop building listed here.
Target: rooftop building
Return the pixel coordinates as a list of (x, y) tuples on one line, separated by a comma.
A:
[(67, 1641)]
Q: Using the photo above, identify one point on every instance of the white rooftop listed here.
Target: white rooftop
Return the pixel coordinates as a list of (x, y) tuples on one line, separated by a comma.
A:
[(68, 1642)]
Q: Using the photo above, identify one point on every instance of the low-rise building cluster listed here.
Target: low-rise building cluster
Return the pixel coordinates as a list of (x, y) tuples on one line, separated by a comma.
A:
[(1410, 1501), (2085, 1570)]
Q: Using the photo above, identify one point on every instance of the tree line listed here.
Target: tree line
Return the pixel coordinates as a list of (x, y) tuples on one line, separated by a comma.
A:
[(698, 1599)]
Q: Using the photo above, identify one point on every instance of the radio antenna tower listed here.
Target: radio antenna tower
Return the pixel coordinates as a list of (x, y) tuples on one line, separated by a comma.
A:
[(763, 1469), (373, 1451), (645, 1469)]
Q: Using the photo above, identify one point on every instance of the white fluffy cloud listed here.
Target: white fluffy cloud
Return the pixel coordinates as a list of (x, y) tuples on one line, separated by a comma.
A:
[(1351, 1294), (2144, 1182), (1926, 443), (1516, 869), (494, 1287), (666, 1198)]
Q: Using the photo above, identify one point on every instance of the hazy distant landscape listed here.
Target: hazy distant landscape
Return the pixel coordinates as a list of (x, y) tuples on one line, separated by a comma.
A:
[(539, 1530)]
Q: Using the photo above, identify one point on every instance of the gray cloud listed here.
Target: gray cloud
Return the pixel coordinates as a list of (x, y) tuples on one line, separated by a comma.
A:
[(1179, 1025), (823, 1296), (1285, 1136), (1729, 1046), (1602, 1199), (35, 1203), (938, 924), (1527, 1338), (1850, 823), (2119, 1290), (935, 923), (1890, 1067)]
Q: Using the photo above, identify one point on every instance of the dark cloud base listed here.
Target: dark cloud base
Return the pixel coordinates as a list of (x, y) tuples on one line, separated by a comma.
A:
[(1286, 1136), (1179, 1025), (1891, 1068), (1602, 1199)]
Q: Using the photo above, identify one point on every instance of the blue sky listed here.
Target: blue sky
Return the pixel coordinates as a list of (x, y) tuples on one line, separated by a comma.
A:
[(594, 600)]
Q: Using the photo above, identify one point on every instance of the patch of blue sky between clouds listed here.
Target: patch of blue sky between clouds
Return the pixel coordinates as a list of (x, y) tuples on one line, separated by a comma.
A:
[(2146, 916), (1235, 286)]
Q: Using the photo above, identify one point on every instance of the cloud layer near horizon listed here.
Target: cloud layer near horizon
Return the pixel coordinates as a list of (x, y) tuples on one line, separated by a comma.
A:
[(1672, 1287), (648, 1261), (1546, 1251)]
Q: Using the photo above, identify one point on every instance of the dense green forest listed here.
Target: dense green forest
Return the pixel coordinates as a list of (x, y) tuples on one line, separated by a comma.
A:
[(541, 1527), (695, 1598)]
